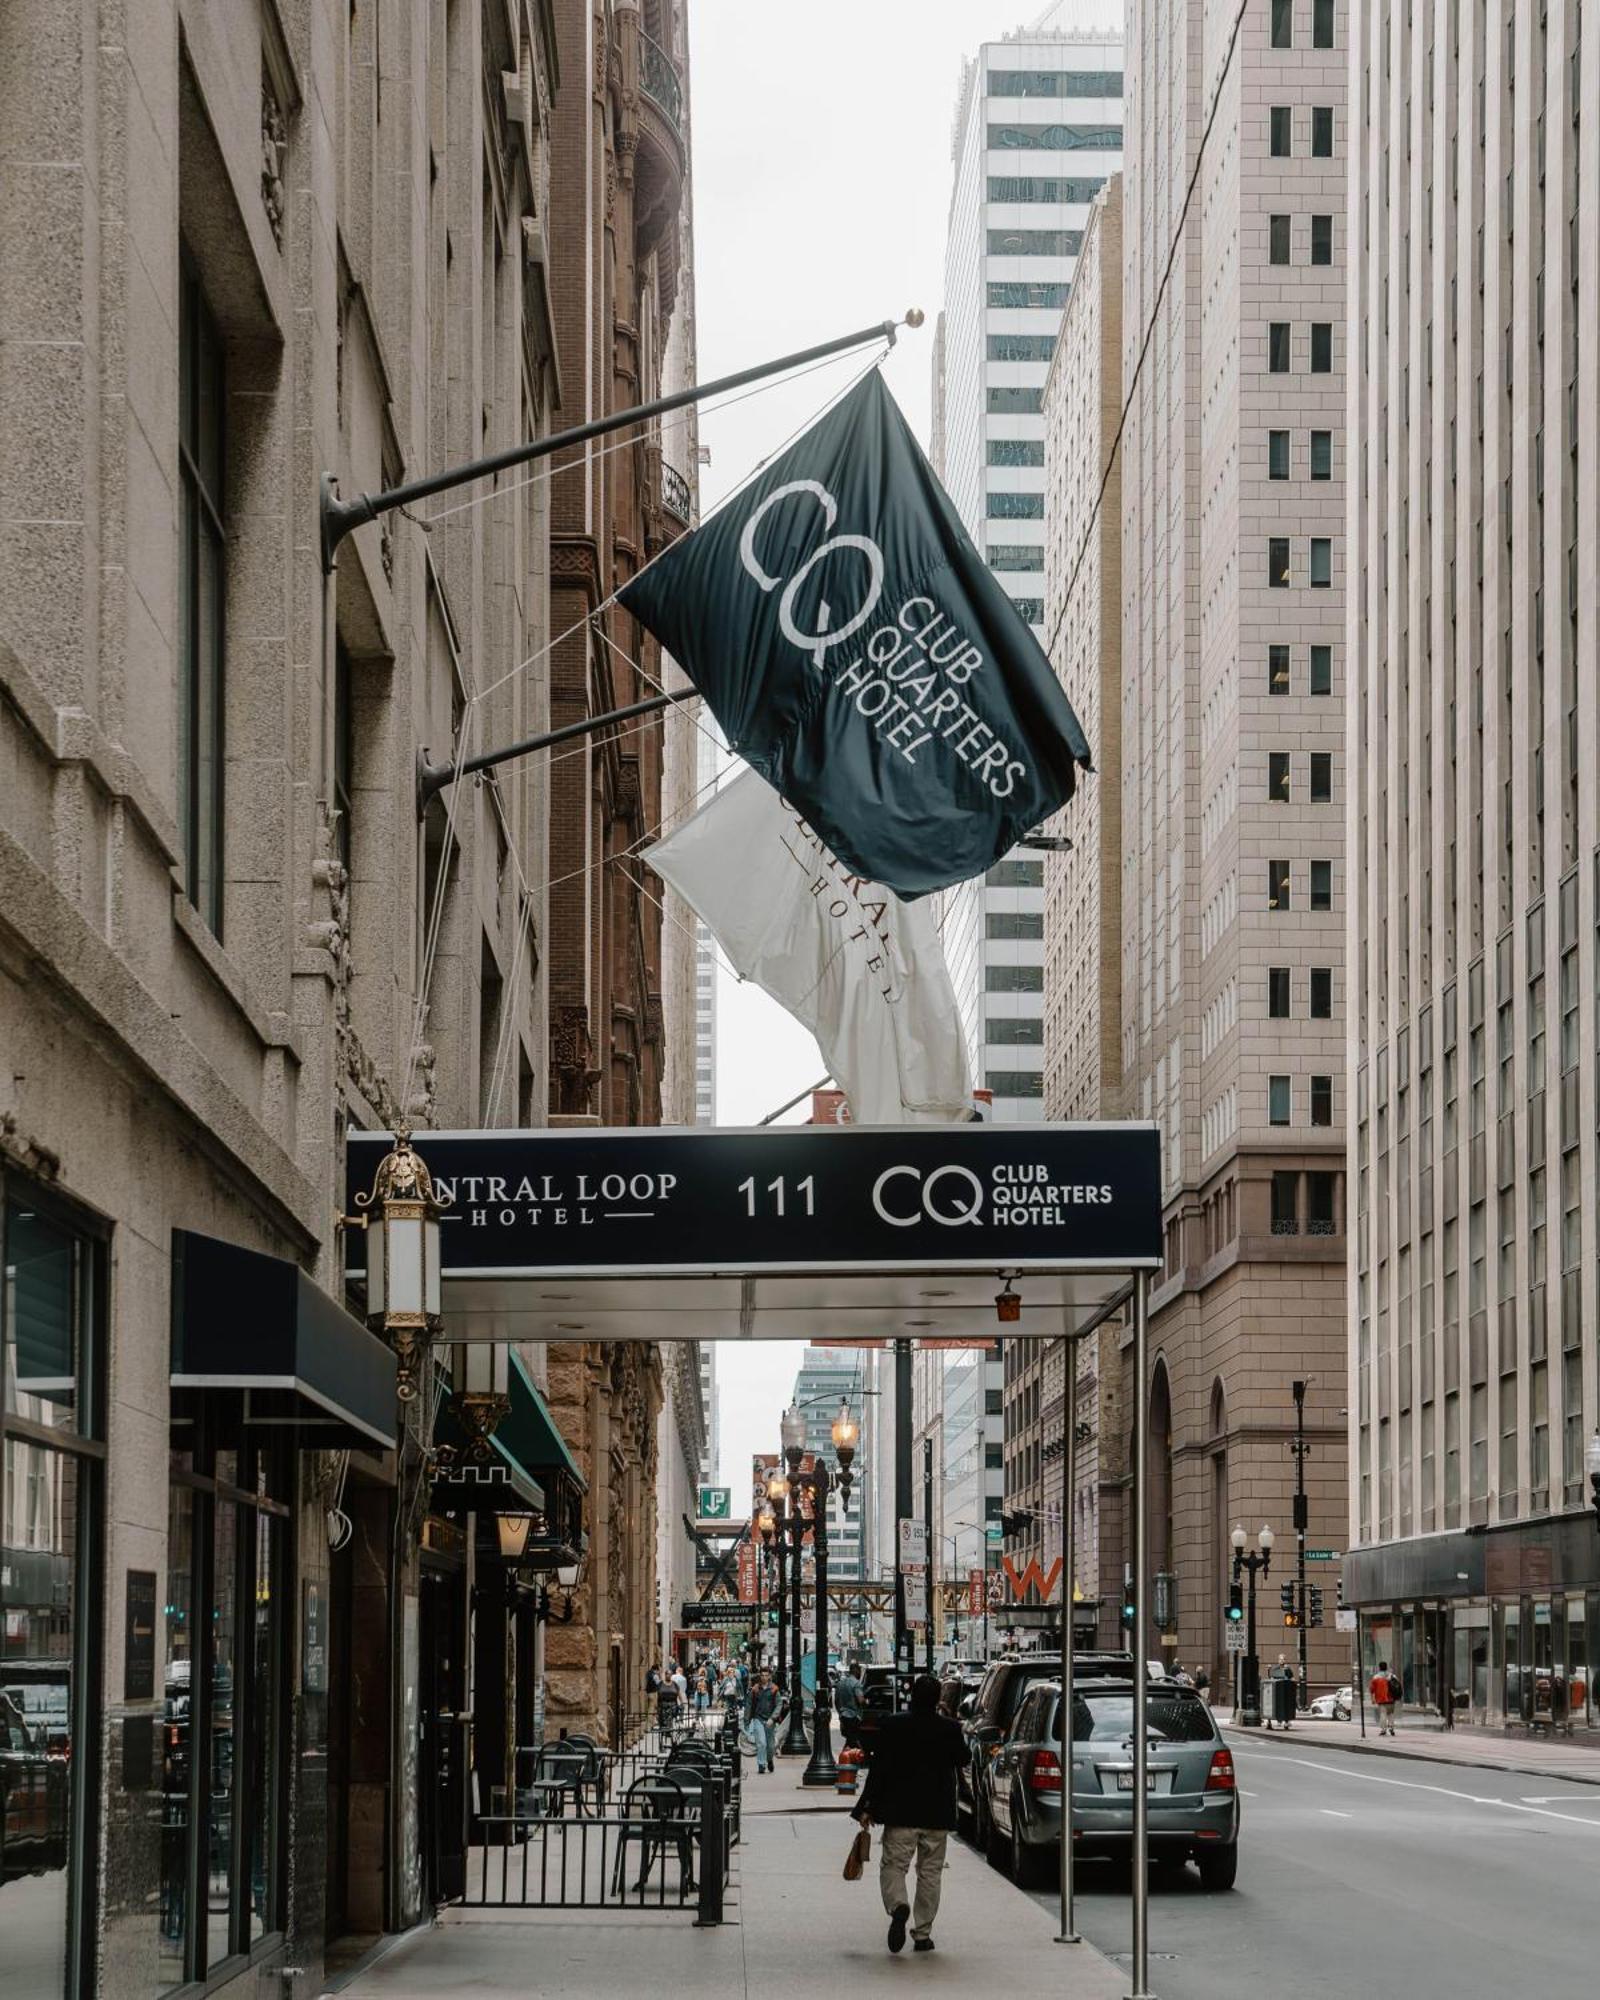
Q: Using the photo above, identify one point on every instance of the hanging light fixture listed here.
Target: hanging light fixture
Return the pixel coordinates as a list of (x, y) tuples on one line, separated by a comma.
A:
[(514, 1531), (401, 1218), (1008, 1303), (482, 1395), (846, 1436)]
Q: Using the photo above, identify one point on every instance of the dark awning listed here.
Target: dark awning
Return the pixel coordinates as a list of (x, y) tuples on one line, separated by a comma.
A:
[(530, 1431), (494, 1483), (242, 1320)]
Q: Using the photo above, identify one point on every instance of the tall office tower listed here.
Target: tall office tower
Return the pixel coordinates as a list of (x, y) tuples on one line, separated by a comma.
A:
[(710, 1417), (1475, 853), (1083, 901), (828, 1377), (1233, 890), (1037, 130)]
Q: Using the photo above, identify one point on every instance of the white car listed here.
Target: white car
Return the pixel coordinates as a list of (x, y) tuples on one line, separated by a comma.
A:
[(1333, 1707)]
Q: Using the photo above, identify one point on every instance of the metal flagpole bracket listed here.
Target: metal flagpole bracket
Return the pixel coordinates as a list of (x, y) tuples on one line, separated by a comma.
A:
[(339, 517)]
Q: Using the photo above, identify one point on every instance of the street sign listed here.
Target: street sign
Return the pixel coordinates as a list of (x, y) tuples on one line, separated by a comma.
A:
[(913, 1542), (994, 1532), (1344, 1621), (975, 1597), (718, 1614), (1233, 1638), (1322, 1555), (716, 1503), (916, 1596), (610, 1202), (748, 1591)]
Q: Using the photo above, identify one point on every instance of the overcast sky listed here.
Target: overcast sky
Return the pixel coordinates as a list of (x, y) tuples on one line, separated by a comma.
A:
[(822, 182)]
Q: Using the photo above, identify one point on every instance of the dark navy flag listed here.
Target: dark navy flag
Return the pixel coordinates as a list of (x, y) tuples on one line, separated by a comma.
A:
[(858, 652)]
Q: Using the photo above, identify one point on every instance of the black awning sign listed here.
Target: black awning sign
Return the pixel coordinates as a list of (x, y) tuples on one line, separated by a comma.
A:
[(960, 1197)]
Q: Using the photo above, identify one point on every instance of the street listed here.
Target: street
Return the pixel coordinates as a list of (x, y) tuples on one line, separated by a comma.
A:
[(1357, 1880)]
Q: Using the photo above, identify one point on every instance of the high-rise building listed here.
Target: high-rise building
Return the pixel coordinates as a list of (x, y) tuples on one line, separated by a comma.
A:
[(1037, 130), (710, 1421), (830, 1376), (1233, 770), (1475, 856)]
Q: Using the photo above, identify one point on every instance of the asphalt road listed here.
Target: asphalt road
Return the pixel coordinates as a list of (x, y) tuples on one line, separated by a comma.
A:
[(1358, 1879)]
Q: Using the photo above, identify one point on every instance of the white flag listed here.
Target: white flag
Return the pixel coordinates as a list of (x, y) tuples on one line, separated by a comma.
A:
[(862, 970)]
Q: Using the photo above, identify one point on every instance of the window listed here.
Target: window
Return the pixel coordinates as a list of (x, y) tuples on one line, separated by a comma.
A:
[(1033, 296), (1282, 121), (1322, 131), (1278, 992), (1014, 924), (1321, 562), (1322, 1100), (1005, 1031), (1283, 24), (1285, 1203), (1016, 555), (1015, 402), (1321, 347), (1016, 451), (1278, 885), (1015, 1082), (1277, 670), (1278, 776), (1014, 506), (1278, 347), (1321, 777), (1277, 454), (51, 1380), (1322, 239), (1278, 562), (1032, 187), (1021, 346), (1055, 138), (1320, 1219), (1035, 242), (1322, 885), (1322, 993), (1278, 239), (1322, 670), (1322, 24), (1013, 979), (1015, 875), (1055, 83), (202, 422), (1322, 454), (1278, 1095)]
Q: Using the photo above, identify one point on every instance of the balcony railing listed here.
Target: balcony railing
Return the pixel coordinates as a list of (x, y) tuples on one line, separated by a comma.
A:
[(659, 76), (675, 495)]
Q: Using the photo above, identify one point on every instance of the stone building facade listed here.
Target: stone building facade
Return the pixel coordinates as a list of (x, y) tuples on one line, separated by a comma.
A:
[(1233, 777), (245, 247)]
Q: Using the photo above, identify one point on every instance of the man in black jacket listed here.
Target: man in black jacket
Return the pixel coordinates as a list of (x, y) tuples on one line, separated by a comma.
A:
[(911, 1795)]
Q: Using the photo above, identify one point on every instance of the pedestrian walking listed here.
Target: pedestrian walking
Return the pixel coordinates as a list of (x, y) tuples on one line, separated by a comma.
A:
[(911, 1794), (763, 1715), (847, 1702), (1385, 1693)]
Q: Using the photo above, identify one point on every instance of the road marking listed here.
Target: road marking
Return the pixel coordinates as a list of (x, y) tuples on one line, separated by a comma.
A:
[(1337, 1815), (1444, 1791), (1247, 1795)]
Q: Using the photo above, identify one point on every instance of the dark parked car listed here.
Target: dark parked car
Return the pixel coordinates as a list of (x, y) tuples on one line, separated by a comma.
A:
[(988, 1716), (1193, 1809)]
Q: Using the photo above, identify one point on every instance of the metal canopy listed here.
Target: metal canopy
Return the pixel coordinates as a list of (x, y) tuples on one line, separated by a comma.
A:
[(827, 1234)]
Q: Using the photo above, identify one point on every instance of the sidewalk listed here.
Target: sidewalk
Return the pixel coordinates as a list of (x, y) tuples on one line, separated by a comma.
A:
[(792, 1918), (1481, 1749)]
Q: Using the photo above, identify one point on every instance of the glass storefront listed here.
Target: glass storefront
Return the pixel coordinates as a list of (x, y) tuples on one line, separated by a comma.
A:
[(1519, 1662), (51, 1431), (222, 1746)]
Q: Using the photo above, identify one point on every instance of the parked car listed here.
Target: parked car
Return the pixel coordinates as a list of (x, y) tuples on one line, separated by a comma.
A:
[(1193, 1811), (1334, 1707), (33, 1796), (987, 1717)]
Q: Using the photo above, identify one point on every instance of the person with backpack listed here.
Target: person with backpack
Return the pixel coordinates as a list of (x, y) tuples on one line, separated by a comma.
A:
[(1385, 1692)]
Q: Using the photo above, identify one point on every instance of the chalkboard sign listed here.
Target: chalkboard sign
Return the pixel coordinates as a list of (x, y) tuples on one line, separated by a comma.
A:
[(139, 1637)]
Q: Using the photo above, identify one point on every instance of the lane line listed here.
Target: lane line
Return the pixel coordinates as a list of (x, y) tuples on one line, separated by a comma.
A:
[(1336, 1815), (1443, 1791)]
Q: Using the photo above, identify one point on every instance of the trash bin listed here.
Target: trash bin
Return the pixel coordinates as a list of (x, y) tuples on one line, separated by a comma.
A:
[(1281, 1692)]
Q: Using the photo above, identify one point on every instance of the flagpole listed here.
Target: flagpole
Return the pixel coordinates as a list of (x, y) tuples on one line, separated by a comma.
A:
[(339, 517)]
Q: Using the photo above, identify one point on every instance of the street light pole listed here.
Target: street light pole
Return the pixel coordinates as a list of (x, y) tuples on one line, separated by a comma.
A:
[(1298, 1447), (820, 1769), (795, 1742), (1250, 1667)]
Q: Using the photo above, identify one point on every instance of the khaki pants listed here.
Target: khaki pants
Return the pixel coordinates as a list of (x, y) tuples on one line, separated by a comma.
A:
[(901, 1845)]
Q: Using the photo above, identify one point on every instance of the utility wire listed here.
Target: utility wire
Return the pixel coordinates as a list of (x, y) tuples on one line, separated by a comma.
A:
[(1150, 327)]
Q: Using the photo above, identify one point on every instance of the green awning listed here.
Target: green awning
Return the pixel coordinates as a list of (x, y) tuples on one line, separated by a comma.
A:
[(480, 1482), (530, 1430)]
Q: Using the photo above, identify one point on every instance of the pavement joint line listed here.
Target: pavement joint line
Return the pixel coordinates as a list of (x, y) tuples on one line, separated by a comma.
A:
[(1449, 1792)]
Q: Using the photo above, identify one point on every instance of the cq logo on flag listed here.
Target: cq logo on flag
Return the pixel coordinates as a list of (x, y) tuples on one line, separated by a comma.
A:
[(951, 1211), (827, 633)]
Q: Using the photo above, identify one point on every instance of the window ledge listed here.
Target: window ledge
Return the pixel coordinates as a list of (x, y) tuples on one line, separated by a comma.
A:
[(272, 1031)]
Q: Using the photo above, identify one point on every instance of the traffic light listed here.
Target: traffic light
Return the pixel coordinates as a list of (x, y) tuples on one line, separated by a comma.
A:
[(1339, 1600), (1127, 1607), (1235, 1603), (1291, 1617), (1314, 1619)]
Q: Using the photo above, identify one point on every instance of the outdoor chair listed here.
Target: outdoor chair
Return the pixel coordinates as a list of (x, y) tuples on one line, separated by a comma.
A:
[(649, 1807)]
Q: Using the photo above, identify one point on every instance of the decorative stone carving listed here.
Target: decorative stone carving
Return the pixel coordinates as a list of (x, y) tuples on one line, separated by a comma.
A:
[(572, 1060), (274, 151)]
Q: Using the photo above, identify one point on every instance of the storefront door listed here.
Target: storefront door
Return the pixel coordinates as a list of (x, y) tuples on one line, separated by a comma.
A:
[(442, 1684)]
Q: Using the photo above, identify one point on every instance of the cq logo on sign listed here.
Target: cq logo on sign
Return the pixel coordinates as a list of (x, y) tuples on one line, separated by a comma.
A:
[(827, 633), (951, 1208)]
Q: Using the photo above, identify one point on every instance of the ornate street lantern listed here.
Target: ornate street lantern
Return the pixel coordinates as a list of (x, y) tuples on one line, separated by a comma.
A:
[(401, 1218), (482, 1394)]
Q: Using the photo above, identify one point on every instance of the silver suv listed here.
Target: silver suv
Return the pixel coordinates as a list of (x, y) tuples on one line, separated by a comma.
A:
[(1193, 1801)]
